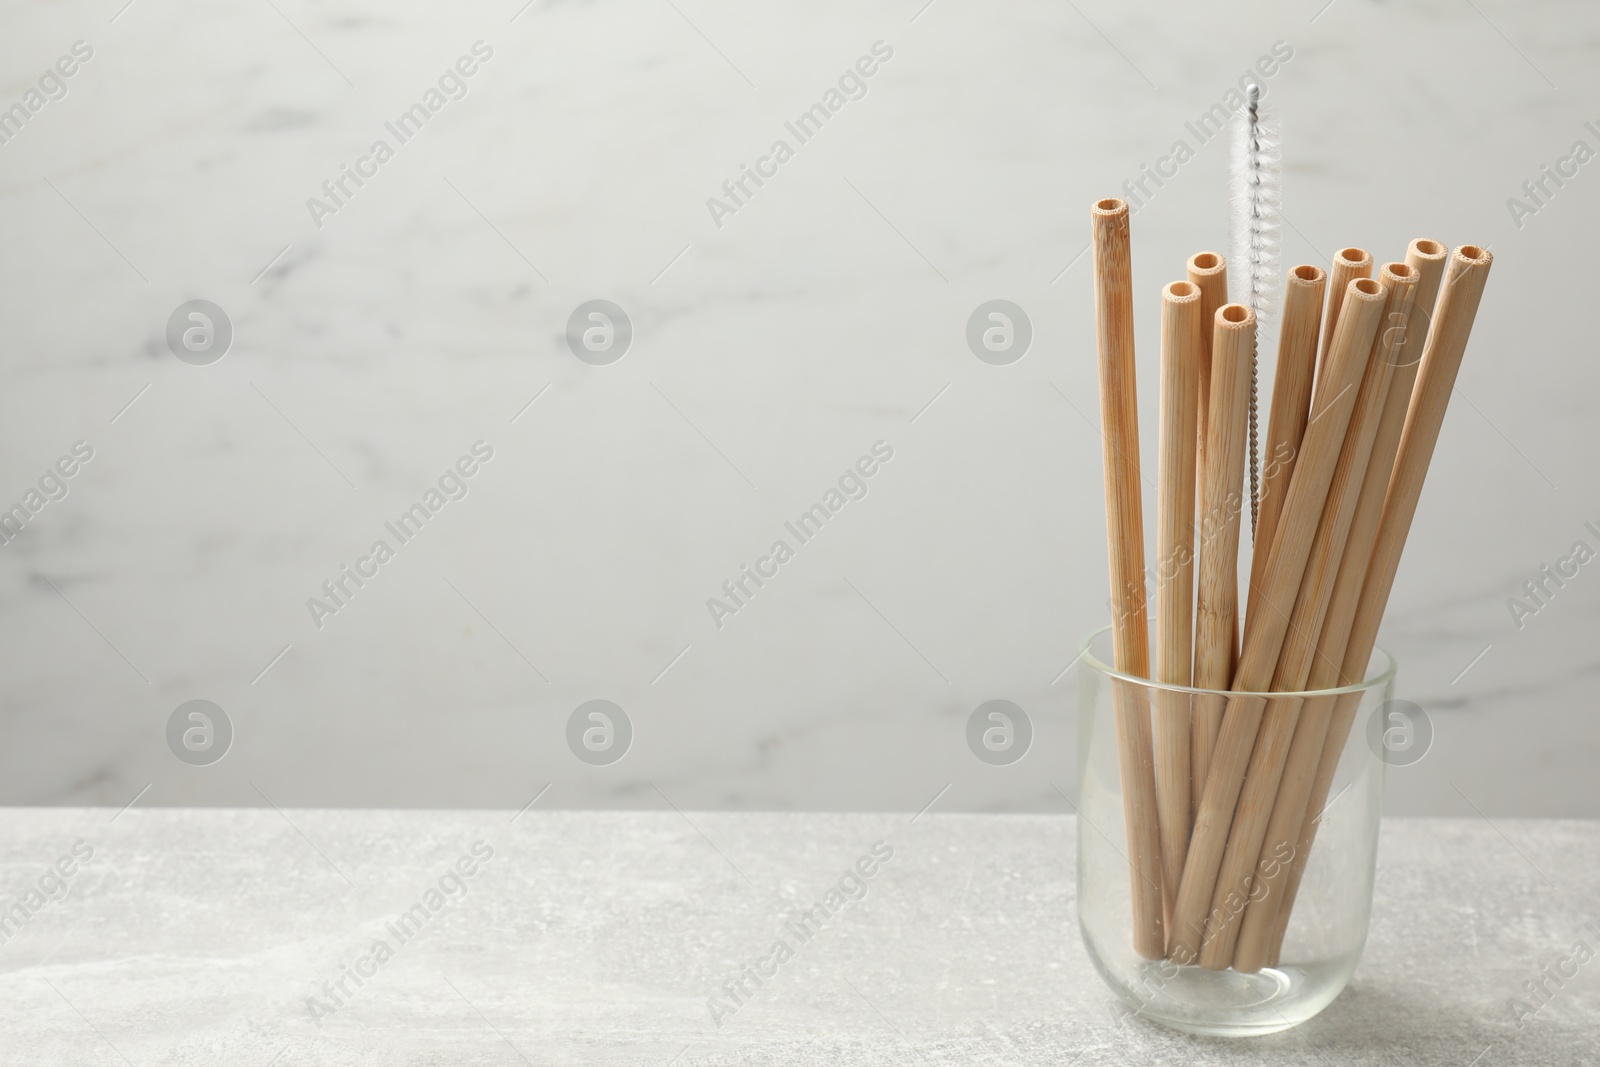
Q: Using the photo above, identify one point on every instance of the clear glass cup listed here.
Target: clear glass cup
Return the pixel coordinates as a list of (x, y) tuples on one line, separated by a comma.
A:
[(1249, 966)]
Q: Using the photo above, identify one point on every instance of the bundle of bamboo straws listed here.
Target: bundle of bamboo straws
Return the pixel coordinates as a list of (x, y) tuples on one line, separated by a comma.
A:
[(1214, 784)]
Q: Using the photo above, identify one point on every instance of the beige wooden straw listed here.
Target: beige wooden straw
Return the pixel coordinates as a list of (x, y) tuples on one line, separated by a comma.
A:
[(1260, 931), (1208, 271), (1221, 510), (1291, 401), (1348, 265), (1119, 416), (1180, 368), (1263, 639), (1236, 875), (1453, 315)]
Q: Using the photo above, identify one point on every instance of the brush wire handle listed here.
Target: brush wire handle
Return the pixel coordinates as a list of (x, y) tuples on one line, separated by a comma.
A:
[(1253, 150)]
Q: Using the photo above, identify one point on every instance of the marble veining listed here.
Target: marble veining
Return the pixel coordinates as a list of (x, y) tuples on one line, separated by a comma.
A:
[(769, 351)]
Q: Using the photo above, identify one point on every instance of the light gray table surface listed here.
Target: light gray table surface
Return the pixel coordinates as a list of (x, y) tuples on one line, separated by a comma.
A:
[(200, 936)]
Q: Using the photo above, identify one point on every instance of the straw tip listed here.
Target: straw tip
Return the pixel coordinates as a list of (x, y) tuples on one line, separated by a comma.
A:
[(1235, 317), (1398, 274), (1206, 263), (1180, 292), (1365, 289), (1307, 274), (1110, 207), (1473, 255), (1353, 257), (1426, 248)]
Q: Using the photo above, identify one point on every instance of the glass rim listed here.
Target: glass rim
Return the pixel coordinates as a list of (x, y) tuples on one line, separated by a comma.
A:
[(1376, 681)]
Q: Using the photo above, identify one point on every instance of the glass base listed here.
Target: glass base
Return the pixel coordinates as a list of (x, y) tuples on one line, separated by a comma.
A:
[(1224, 1003)]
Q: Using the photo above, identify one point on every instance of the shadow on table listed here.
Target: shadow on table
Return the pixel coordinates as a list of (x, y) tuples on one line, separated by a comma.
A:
[(1373, 1023)]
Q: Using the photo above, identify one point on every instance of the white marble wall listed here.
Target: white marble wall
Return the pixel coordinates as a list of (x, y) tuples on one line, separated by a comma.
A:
[(769, 354)]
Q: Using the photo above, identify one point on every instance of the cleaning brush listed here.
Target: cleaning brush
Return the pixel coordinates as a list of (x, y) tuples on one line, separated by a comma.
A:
[(1254, 178)]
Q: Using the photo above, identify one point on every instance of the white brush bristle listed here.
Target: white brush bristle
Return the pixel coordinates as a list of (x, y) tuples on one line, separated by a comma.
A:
[(1254, 177)]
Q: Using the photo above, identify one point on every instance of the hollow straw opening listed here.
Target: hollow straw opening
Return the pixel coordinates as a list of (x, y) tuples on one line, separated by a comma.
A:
[(1184, 291), (1367, 287), (1399, 270), (1381, 661), (1305, 272), (1354, 256), (1426, 248), (1206, 263), (1235, 313), (1110, 205), (1471, 252)]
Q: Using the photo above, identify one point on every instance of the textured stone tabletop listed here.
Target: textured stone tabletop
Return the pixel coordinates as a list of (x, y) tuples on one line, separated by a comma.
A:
[(252, 937)]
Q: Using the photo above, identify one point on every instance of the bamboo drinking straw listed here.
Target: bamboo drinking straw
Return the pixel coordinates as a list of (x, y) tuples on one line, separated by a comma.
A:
[(1291, 400), (1348, 265), (1263, 639), (1180, 367), (1209, 272), (1235, 880), (1281, 850), (1233, 333), (1221, 513), (1119, 416), (1453, 315)]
